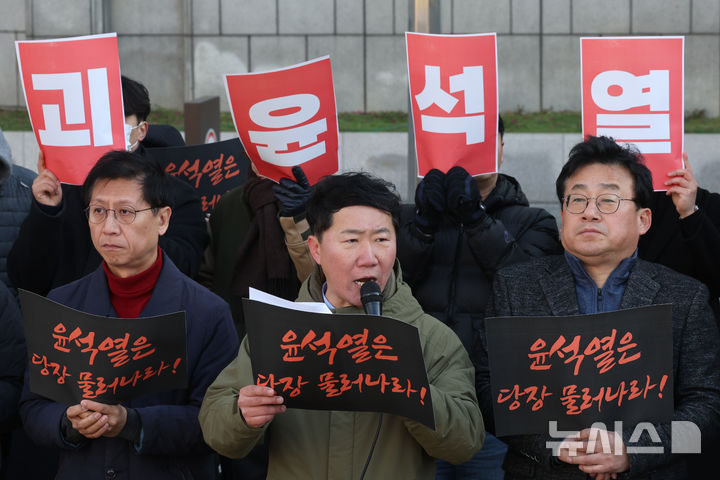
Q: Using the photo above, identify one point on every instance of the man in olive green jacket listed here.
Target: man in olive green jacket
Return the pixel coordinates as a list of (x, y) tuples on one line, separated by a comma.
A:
[(353, 218)]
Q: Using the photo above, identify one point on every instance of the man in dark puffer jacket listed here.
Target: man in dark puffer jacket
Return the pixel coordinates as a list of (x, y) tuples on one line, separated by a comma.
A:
[(460, 231)]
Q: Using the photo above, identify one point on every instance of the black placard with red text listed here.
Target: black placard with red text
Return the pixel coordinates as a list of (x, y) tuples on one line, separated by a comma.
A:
[(581, 369), (212, 169), (339, 362), (75, 355)]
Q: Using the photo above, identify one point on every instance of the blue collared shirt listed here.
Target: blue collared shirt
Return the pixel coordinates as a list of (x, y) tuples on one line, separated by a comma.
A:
[(327, 302), (592, 299)]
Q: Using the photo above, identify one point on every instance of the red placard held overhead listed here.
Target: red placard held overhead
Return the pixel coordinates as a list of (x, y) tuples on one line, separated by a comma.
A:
[(287, 117), (454, 98), (632, 90), (74, 98)]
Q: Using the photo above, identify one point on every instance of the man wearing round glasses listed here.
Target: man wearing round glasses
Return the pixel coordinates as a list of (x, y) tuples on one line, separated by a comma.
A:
[(604, 190), (155, 435), (601, 218), (38, 265)]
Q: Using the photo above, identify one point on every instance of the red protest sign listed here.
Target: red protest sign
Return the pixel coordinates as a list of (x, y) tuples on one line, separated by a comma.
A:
[(454, 97), (632, 90), (74, 99), (287, 117)]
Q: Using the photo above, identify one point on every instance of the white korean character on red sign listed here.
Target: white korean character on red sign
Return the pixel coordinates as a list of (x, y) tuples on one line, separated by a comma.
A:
[(632, 91), (287, 117), (650, 131), (71, 86), (74, 96), (471, 83), (453, 92), (287, 129)]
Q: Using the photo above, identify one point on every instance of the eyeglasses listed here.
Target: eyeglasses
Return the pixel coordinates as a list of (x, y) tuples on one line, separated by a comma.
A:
[(606, 202), (124, 215)]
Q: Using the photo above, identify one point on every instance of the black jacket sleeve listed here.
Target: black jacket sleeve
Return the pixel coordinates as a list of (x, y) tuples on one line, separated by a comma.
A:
[(53, 246), (701, 234), (414, 248), (186, 238), (32, 261), (12, 358), (494, 246)]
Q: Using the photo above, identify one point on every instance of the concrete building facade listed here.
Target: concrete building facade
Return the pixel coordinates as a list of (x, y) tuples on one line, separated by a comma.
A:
[(181, 48)]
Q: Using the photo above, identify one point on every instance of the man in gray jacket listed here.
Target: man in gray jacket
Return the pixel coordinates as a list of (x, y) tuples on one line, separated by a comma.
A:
[(604, 190)]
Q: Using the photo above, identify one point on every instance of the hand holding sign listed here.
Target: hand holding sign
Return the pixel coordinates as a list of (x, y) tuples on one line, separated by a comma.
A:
[(293, 195), (94, 420), (46, 186), (259, 405), (463, 197), (682, 186), (599, 453), (113, 417), (430, 201)]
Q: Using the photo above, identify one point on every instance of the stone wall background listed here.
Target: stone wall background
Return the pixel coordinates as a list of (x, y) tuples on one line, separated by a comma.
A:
[(534, 159), (181, 48)]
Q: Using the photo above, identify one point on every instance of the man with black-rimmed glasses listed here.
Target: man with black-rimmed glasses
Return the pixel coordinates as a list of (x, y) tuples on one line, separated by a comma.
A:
[(155, 435), (605, 190)]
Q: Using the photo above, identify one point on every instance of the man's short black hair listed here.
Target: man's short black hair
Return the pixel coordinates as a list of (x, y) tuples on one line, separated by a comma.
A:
[(136, 100), (606, 151), (501, 127), (335, 192), (121, 164)]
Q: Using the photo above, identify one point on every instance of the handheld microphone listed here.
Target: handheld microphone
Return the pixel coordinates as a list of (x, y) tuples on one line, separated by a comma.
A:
[(371, 298)]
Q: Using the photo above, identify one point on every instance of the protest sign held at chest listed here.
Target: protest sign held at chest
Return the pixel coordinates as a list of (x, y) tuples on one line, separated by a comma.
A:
[(339, 361), (579, 369), (75, 355)]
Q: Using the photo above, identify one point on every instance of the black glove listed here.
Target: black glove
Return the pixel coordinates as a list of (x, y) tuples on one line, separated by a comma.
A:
[(293, 196), (463, 197), (430, 201)]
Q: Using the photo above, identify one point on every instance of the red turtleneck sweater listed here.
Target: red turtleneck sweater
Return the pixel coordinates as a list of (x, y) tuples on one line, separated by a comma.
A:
[(130, 295)]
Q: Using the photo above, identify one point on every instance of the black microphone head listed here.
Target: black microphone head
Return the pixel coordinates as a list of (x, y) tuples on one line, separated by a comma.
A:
[(370, 292)]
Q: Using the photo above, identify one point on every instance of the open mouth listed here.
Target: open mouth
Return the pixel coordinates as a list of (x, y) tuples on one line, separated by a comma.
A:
[(361, 281)]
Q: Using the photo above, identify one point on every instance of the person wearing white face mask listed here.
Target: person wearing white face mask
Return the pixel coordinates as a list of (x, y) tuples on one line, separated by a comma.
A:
[(39, 264), (136, 132), (139, 134)]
